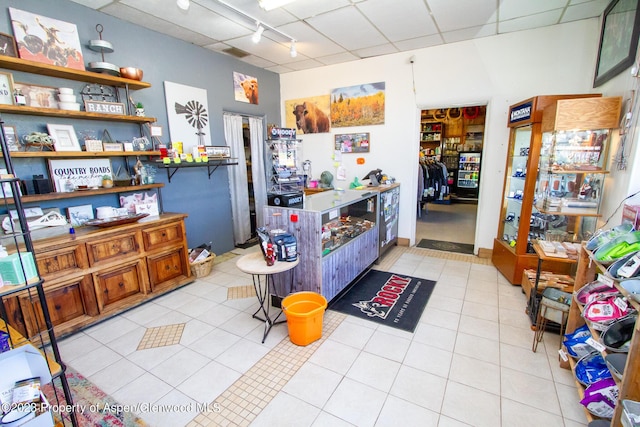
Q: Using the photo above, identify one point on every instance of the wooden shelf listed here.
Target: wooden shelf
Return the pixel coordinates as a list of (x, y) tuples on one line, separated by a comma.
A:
[(89, 154), (33, 67), (60, 196), (51, 112)]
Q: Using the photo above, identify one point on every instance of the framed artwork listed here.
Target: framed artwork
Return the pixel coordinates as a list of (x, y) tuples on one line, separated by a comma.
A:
[(6, 88), (352, 143), (11, 138), (69, 174), (65, 138), (360, 105), (188, 114), (78, 215), (147, 202), (618, 40), (8, 46), (218, 151), (46, 40), (308, 115), (245, 88), (38, 96)]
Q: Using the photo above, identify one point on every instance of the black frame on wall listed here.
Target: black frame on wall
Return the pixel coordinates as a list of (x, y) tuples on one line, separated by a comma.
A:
[(618, 40)]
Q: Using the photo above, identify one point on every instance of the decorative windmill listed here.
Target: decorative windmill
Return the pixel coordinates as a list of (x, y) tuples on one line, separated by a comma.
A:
[(196, 115)]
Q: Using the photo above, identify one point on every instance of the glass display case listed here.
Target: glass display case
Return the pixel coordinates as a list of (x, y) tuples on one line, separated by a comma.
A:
[(520, 221), (338, 239)]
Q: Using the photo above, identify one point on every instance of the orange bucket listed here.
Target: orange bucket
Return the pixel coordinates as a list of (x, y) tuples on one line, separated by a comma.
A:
[(304, 312)]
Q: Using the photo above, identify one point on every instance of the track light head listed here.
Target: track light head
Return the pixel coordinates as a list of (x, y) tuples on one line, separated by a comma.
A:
[(183, 4), (258, 34), (293, 52)]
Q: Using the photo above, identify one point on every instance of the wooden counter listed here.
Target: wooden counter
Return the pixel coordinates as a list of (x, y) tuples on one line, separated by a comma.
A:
[(99, 272)]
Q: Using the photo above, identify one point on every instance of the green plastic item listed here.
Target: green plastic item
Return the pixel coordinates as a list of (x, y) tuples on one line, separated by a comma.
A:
[(619, 247)]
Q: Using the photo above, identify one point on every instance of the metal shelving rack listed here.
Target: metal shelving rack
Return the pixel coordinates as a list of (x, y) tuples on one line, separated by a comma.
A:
[(30, 295)]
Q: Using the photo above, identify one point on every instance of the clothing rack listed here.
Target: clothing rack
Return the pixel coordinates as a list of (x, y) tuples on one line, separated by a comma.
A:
[(432, 181)]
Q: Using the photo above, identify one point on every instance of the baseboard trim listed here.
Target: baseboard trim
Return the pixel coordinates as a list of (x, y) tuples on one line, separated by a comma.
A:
[(484, 253), (403, 241)]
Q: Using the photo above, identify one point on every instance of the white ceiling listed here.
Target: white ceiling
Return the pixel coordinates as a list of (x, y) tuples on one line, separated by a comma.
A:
[(335, 31)]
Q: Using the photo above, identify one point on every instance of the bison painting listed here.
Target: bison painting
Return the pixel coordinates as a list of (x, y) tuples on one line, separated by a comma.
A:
[(310, 119)]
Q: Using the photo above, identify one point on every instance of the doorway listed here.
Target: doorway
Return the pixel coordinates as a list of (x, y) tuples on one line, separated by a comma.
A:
[(450, 160)]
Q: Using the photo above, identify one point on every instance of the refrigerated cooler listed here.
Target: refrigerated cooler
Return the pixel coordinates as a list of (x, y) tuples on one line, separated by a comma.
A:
[(468, 175)]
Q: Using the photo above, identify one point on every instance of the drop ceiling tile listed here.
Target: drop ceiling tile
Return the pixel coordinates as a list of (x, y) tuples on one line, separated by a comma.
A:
[(476, 13), (419, 43), (276, 52), (348, 28), (403, 20), (304, 65), (529, 22), (470, 33), (584, 10), (369, 52), (280, 69), (93, 4), (251, 10), (310, 42), (304, 9), (138, 17), (510, 9), (337, 58), (199, 19), (257, 61)]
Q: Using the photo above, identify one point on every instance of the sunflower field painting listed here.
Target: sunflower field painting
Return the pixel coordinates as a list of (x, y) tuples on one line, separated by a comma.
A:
[(360, 105)]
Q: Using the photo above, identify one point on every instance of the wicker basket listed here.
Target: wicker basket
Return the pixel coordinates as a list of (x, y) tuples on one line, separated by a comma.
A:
[(203, 268)]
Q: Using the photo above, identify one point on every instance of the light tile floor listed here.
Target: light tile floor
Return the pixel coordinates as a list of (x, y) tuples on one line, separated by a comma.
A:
[(468, 363)]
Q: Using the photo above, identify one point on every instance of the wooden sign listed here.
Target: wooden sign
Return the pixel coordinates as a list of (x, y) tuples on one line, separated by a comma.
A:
[(116, 108)]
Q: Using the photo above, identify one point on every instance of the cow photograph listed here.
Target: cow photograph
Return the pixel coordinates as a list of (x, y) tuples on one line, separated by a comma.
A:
[(245, 88), (309, 115)]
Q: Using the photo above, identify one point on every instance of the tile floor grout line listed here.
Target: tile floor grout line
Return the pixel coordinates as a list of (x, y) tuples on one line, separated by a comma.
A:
[(262, 392)]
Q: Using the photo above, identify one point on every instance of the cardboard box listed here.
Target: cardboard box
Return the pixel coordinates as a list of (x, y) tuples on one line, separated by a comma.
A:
[(631, 214), (288, 200), (22, 363)]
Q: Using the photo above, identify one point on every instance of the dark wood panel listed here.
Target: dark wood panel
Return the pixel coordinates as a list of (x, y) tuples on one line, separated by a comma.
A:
[(114, 247), (165, 267), (156, 238), (117, 285)]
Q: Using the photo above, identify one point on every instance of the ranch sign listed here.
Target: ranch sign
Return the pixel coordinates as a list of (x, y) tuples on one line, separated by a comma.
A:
[(102, 107)]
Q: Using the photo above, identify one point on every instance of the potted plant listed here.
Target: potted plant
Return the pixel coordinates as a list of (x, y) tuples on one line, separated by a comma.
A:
[(107, 181), (139, 109)]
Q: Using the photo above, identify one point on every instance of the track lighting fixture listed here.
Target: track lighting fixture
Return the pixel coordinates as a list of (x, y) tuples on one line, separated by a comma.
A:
[(183, 4), (293, 52), (258, 34)]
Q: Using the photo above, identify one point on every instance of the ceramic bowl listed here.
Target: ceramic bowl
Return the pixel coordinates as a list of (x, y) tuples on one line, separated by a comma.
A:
[(65, 91), (66, 98), (131, 73), (75, 106)]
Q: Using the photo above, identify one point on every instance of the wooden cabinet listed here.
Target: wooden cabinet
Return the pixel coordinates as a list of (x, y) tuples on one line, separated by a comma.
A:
[(97, 273), (116, 284), (629, 386)]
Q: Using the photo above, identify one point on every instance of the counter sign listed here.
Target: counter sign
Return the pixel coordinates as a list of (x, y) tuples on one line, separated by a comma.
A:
[(521, 112)]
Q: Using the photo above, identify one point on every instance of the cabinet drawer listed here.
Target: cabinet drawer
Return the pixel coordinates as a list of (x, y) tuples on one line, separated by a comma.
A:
[(62, 262), (113, 248), (160, 237), (68, 302), (118, 284), (168, 266)]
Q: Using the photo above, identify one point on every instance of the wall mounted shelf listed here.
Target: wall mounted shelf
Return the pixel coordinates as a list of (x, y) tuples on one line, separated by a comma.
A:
[(51, 112), (59, 196), (211, 166), (33, 67)]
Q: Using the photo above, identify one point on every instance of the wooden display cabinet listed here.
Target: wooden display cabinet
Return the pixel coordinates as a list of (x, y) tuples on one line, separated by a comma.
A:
[(512, 249)]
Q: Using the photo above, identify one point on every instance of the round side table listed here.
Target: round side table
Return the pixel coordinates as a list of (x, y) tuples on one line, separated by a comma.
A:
[(262, 275)]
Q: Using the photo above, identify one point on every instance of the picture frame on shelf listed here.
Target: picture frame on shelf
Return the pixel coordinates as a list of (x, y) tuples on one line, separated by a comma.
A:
[(93, 145), (69, 174), (64, 136), (38, 96), (618, 39), (11, 138), (8, 45), (79, 215), (146, 201), (6, 88), (218, 152)]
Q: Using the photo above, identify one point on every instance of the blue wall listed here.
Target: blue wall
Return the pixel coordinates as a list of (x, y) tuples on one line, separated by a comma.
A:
[(162, 58)]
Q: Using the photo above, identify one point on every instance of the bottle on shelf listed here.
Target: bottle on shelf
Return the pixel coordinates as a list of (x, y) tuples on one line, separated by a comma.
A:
[(270, 257)]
